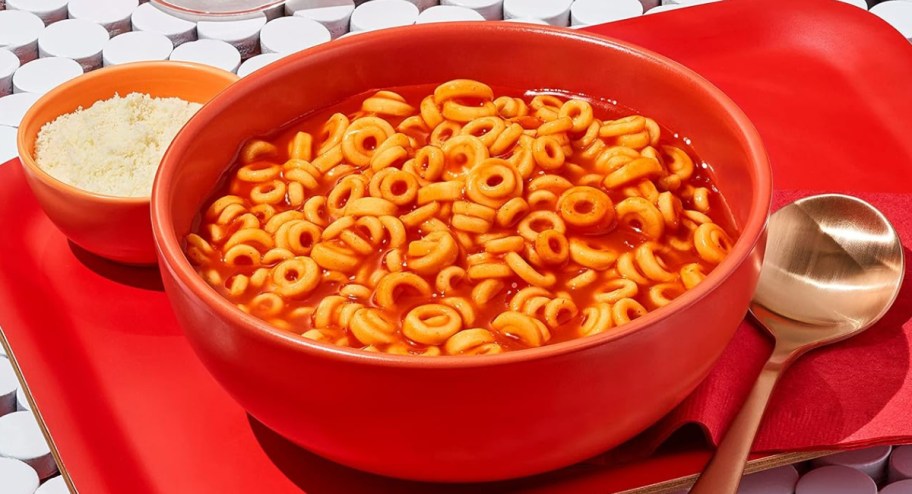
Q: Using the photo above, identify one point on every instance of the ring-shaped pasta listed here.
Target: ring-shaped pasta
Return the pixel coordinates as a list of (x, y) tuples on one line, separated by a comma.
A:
[(522, 297), (626, 266), (237, 285), (522, 159), (678, 162), (255, 149), (662, 294), (548, 153), (462, 153), (430, 112), (557, 126), (332, 131), (711, 242), (391, 288), (552, 247), (443, 132), (582, 280), (528, 274), (429, 163), (276, 255), (434, 252), (241, 255), (296, 277), (511, 212), (530, 331), (538, 221), (462, 88), (326, 313), (349, 189), (258, 171), (301, 146), (372, 326), (474, 341), (393, 156), (485, 129), (419, 215), (637, 169), (597, 318), (199, 251), (589, 138), (638, 140), (217, 209), (431, 324), (506, 140), (513, 243), (493, 182), (266, 305), (626, 310), (585, 207), (272, 192), (359, 145), (448, 191), (488, 270), (701, 199), (370, 206), (355, 291), (641, 215), (398, 187), (691, 275), (579, 112), (448, 279), (508, 107), (616, 289), (334, 255), (652, 265), (560, 311), (591, 257), (387, 103), (255, 237), (670, 207), (458, 112), (415, 128), (546, 101), (298, 236), (623, 126), (486, 290)]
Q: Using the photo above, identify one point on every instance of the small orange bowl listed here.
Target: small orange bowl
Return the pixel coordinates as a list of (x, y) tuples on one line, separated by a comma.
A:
[(116, 228)]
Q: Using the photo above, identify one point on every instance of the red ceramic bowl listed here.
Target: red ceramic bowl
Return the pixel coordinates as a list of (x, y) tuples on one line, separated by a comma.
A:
[(465, 418), (116, 228)]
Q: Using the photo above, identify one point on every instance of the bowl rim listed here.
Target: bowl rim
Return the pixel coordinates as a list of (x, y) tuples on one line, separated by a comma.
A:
[(24, 145), (174, 260)]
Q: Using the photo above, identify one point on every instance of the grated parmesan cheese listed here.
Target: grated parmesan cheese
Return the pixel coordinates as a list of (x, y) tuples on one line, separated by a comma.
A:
[(113, 147)]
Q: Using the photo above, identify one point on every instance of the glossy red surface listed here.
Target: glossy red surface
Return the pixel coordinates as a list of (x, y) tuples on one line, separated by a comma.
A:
[(131, 409), (116, 228), (455, 418)]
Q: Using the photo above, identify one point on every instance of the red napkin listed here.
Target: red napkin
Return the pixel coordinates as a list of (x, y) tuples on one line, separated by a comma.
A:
[(851, 394)]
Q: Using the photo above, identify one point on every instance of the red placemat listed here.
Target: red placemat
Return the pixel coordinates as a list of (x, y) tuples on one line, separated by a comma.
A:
[(130, 409)]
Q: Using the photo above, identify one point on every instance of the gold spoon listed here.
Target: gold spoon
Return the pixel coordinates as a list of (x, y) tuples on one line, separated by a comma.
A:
[(833, 267)]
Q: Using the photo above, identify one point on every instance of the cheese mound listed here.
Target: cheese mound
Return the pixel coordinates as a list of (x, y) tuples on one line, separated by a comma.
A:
[(113, 147)]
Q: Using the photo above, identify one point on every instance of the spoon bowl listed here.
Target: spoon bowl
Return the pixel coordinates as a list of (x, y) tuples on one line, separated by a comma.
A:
[(833, 267)]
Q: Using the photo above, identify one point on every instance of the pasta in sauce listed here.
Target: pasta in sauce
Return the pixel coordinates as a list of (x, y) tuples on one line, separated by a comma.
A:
[(460, 222)]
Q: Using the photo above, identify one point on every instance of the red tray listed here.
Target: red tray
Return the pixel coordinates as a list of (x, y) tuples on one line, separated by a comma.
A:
[(130, 409)]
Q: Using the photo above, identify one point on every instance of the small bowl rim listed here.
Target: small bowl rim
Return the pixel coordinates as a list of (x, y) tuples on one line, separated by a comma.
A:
[(23, 144), (174, 260)]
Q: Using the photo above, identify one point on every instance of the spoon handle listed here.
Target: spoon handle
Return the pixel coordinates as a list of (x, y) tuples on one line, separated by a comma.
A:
[(723, 472)]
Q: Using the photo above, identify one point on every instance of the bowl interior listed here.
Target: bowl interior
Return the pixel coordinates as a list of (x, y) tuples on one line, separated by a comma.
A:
[(499, 54)]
